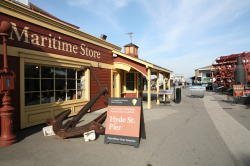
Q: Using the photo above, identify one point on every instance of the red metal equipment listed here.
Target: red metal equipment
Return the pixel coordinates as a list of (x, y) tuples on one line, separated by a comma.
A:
[(224, 68)]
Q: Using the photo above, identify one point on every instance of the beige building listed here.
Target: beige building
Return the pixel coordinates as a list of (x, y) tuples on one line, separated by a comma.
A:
[(203, 75)]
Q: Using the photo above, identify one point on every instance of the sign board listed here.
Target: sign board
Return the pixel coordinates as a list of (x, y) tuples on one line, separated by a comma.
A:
[(238, 90), (89, 136), (48, 131), (123, 121), (246, 92)]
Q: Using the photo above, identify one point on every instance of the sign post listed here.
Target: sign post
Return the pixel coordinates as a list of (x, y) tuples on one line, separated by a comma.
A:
[(123, 121)]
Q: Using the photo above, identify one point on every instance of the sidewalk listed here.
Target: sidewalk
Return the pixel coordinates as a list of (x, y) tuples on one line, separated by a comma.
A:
[(35, 149), (234, 134), (177, 135), (239, 112)]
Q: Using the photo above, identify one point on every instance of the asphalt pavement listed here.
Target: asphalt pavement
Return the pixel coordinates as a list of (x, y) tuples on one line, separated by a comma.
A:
[(185, 134)]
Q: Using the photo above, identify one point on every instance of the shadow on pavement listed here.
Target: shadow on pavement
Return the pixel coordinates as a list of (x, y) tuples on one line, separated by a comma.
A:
[(22, 134), (244, 160), (194, 96)]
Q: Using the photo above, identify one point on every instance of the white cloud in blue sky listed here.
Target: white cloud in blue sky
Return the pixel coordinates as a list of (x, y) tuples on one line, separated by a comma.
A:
[(180, 35)]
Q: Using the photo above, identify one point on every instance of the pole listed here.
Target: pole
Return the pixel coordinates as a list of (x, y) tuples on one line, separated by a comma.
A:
[(7, 137), (5, 63), (6, 113)]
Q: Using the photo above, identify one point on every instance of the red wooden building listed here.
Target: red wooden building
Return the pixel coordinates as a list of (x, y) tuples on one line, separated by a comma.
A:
[(48, 57)]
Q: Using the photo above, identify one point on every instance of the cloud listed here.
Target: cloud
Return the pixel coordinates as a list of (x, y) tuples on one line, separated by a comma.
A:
[(104, 9), (180, 33), (99, 6), (183, 26), (120, 3), (177, 21), (111, 4)]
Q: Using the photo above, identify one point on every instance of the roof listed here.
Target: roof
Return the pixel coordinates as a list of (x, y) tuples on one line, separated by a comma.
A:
[(205, 68), (35, 15), (41, 16), (131, 44), (41, 11), (147, 64)]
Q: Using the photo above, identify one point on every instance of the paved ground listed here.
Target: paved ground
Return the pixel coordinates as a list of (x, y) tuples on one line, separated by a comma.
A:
[(199, 131), (239, 112)]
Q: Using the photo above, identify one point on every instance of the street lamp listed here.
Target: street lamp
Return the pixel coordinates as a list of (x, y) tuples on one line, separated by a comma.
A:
[(6, 85)]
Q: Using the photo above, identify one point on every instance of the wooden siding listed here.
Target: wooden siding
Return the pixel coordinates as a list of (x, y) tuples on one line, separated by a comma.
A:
[(104, 77), (139, 67), (106, 55)]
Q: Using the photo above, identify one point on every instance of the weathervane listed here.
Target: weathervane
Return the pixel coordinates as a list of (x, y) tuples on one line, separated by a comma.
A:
[(130, 34)]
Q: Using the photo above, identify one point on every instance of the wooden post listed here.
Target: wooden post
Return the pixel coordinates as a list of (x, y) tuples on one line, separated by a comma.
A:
[(164, 86), (149, 89), (118, 84), (158, 89), (169, 86), (87, 83)]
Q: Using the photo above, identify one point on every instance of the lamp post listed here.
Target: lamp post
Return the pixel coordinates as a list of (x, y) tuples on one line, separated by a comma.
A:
[(6, 85)]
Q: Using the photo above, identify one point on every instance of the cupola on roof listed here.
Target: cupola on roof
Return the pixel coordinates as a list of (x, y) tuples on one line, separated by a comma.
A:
[(131, 50)]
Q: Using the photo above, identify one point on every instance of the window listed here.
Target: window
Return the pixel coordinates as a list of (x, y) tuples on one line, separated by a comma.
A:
[(208, 74), (140, 82), (47, 84), (130, 81), (131, 51), (127, 50)]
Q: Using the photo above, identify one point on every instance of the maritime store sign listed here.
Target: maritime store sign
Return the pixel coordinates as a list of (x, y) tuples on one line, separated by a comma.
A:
[(49, 41)]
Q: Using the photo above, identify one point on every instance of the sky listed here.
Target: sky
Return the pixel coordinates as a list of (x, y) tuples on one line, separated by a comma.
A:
[(180, 35)]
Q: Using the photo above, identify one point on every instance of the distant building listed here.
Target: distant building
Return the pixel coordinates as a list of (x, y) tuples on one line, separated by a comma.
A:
[(203, 75), (177, 78)]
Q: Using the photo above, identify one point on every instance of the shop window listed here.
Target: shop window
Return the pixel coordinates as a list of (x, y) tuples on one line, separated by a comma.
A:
[(32, 71), (32, 84), (47, 97), (140, 82), (47, 72), (32, 98), (60, 72), (46, 84), (130, 81)]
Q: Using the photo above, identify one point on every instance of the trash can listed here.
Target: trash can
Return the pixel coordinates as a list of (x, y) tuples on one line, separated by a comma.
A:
[(177, 95)]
